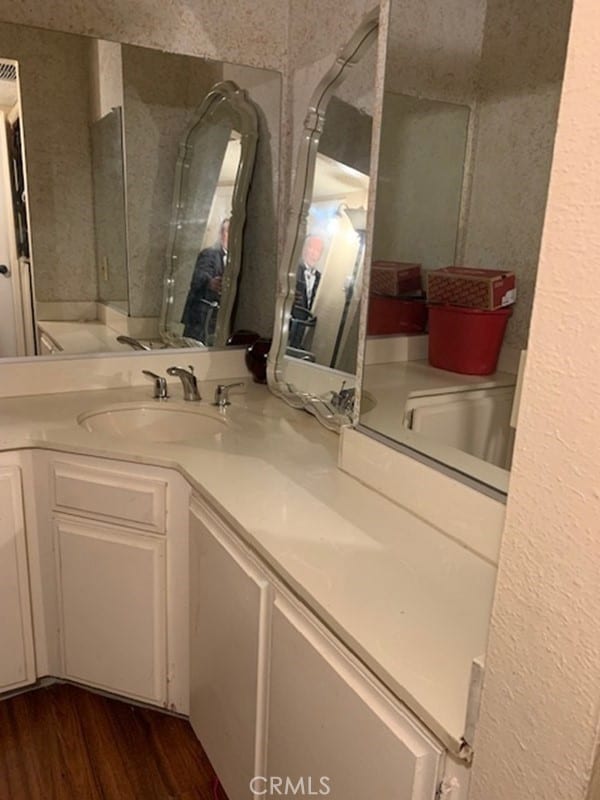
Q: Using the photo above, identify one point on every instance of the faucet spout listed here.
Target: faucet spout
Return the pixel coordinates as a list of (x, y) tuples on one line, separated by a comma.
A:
[(133, 343), (188, 382)]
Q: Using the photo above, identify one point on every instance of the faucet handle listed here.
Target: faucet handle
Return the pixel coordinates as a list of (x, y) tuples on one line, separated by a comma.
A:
[(161, 391), (222, 394)]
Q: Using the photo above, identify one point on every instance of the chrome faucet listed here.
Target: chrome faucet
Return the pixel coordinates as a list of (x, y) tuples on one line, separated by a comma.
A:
[(343, 401), (161, 391), (222, 394), (188, 381), (134, 343)]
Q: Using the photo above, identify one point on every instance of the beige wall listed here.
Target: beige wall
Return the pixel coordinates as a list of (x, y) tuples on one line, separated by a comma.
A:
[(54, 77), (541, 698), (162, 93), (242, 31), (515, 121), (434, 48)]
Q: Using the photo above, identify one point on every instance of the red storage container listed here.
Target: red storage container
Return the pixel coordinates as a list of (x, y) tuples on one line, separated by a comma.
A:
[(466, 340), (390, 315)]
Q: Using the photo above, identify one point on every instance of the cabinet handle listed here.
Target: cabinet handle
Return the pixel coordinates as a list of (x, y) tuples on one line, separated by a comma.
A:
[(4, 270)]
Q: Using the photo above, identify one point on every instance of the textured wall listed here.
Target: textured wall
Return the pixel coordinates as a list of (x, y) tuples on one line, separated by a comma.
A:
[(162, 92), (539, 720), (233, 30), (434, 48), (54, 74), (520, 78)]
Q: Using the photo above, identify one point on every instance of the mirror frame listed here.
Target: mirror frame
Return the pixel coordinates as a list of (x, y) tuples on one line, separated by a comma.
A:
[(348, 58), (225, 93)]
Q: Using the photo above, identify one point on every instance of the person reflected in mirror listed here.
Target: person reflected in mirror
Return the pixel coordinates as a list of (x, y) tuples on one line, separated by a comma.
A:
[(308, 278), (204, 295)]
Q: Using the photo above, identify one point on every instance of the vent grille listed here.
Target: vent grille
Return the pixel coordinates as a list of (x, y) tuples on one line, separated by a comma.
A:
[(8, 72)]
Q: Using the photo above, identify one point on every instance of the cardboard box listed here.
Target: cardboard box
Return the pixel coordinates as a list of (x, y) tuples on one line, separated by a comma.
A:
[(394, 278), (486, 289)]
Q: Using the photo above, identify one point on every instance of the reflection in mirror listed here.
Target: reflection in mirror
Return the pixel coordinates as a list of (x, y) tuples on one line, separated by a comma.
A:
[(87, 175), (209, 207), (108, 186), (466, 142), (325, 303), (313, 359)]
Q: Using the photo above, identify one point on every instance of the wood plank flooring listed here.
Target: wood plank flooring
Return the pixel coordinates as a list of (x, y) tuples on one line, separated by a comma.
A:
[(65, 743)]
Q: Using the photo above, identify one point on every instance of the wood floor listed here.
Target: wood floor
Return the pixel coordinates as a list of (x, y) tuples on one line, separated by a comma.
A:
[(64, 743)]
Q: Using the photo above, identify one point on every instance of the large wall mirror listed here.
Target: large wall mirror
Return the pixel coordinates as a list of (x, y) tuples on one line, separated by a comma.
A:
[(126, 175), (312, 363), (468, 123)]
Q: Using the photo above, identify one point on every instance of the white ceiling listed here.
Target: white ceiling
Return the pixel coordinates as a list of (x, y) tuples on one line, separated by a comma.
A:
[(334, 179)]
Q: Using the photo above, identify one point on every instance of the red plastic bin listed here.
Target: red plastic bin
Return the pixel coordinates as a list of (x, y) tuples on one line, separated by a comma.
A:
[(392, 315), (466, 340)]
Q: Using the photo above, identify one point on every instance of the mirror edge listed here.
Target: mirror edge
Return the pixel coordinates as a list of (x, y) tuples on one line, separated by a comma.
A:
[(350, 55)]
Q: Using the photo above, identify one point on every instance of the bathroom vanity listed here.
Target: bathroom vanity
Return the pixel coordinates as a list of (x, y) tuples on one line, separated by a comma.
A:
[(318, 605), (315, 637)]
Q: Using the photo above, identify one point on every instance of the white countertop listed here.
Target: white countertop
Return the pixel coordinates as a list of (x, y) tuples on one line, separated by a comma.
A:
[(412, 603)]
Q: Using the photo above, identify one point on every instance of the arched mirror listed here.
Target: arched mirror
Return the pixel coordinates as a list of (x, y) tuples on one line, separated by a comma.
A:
[(313, 359), (216, 159)]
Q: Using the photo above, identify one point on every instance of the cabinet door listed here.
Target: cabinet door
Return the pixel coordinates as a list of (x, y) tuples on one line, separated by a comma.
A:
[(17, 664), (112, 598), (230, 616), (331, 727)]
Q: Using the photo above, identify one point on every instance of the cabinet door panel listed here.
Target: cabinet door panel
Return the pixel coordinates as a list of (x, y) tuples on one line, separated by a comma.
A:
[(17, 663), (230, 615), (113, 608), (327, 720)]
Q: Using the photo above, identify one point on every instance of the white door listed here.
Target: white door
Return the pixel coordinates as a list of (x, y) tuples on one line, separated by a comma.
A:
[(331, 730), (17, 663), (230, 615), (11, 323), (112, 608)]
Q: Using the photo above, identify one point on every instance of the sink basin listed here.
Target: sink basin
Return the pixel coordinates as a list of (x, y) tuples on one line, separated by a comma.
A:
[(153, 423)]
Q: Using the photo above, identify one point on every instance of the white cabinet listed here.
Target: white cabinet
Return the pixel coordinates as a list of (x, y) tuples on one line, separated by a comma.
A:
[(277, 698), (230, 621), (17, 662), (120, 576), (112, 606), (331, 726)]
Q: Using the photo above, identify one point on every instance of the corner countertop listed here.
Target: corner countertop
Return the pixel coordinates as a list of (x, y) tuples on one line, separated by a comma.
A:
[(411, 603)]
